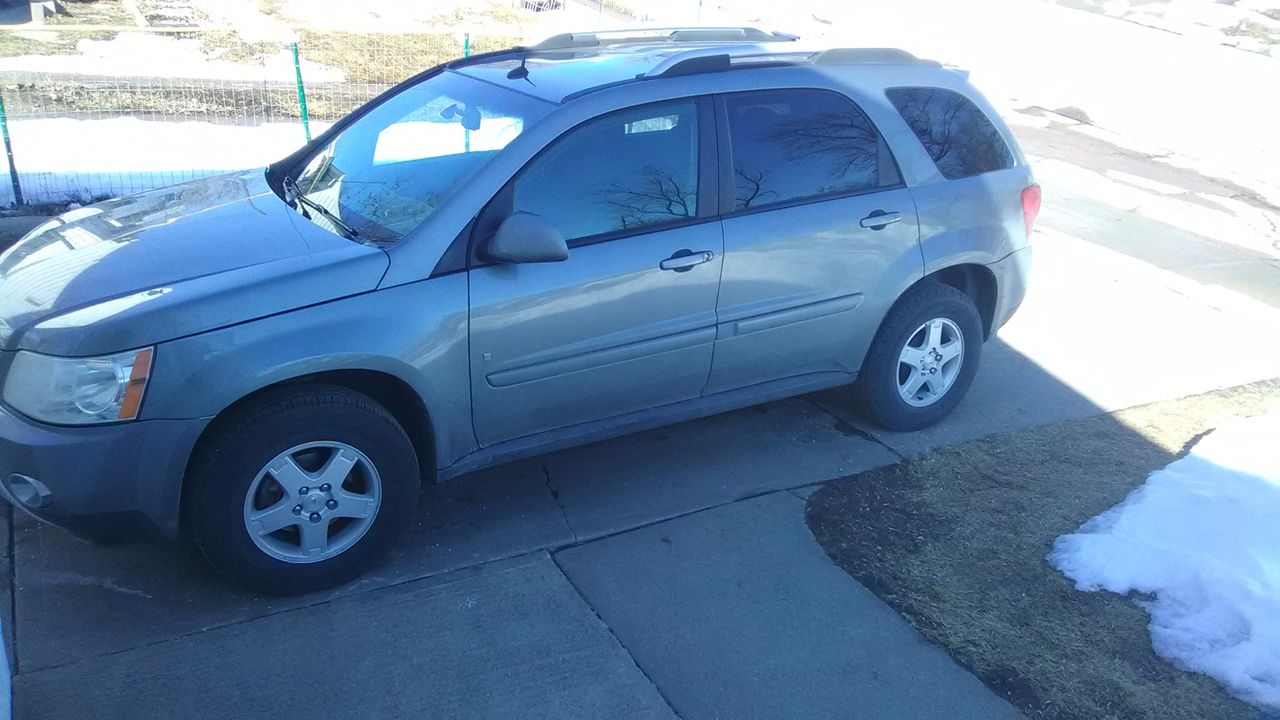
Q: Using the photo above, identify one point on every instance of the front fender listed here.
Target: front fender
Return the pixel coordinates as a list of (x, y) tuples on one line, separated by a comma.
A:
[(416, 332)]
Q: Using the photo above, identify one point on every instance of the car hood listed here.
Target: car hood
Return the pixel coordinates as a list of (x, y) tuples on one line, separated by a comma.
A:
[(171, 262)]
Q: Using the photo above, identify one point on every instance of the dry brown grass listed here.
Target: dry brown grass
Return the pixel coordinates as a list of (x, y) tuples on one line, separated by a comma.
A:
[(93, 12), (956, 540)]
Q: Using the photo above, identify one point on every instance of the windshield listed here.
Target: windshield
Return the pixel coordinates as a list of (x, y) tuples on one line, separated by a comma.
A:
[(388, 171)]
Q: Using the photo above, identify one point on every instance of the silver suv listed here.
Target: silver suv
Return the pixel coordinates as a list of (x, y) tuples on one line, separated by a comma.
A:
[(507, 254)]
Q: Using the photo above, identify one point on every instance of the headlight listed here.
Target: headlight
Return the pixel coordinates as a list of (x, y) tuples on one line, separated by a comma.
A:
[(78, 391)]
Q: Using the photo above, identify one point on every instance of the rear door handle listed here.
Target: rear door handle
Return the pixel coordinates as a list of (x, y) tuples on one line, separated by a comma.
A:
[(684, 260), (878, 219)]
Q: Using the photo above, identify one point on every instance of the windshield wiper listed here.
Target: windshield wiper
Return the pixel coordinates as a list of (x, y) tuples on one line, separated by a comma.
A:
[(293, 196)]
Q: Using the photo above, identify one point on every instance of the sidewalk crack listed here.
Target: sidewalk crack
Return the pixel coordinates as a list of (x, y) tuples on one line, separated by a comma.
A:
[(609, 629), (555, 495)]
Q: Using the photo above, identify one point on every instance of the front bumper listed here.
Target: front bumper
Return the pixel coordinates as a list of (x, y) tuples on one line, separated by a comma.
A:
[(106, 482), (1012, 274)]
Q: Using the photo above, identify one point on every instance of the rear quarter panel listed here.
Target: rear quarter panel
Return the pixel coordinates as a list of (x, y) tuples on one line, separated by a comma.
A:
[(971, 220), (968, 220)]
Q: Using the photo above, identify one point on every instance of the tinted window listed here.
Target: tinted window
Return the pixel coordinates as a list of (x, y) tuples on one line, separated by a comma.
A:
[(796, 144), (958, 136), (627, 170)]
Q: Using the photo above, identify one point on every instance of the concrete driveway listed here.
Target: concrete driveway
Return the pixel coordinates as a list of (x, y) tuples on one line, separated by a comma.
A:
[(671, 572)]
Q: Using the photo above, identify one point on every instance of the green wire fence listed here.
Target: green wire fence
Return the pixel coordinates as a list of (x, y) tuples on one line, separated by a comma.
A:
[(225, 101)]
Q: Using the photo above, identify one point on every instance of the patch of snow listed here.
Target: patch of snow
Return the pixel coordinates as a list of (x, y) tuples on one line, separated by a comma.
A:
[(1202, 537), (61, 158)]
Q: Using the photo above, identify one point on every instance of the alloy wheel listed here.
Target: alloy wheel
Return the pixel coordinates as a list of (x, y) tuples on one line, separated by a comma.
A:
[(312, 502), (930, 362)]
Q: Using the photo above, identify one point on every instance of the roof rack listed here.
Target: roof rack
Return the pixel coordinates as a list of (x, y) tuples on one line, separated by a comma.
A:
[(567, 41), (704, 60), (869, 56)]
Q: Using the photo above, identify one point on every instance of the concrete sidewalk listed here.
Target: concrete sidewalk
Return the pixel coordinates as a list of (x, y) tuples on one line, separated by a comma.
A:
[(736, 612), (667, 572)]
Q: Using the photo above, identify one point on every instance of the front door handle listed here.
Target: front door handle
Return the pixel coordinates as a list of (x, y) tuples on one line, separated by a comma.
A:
[(684, 260), (879, 219)]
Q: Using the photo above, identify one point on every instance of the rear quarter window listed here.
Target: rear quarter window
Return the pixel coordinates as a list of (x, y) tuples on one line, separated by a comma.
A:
[(956, 133)]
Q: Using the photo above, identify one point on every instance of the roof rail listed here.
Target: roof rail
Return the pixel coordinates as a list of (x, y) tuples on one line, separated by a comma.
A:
[(700, 60), (718, 59), (567, 41), (868, 56)]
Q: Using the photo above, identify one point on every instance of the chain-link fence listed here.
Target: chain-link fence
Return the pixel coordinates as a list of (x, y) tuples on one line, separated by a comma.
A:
[(91, 113)]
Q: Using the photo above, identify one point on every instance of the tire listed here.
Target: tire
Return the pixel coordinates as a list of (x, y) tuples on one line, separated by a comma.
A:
[(880, 385), (373, 471)]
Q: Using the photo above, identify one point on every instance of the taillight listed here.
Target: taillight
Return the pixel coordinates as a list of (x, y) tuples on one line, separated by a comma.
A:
[(1030, 205)]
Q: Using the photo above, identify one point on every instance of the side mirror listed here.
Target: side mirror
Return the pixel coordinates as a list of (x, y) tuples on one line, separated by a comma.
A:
[(526, 238)]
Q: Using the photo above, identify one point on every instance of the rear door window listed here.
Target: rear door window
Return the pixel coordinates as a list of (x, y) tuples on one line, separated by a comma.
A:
[(796, 145), (955, 132)]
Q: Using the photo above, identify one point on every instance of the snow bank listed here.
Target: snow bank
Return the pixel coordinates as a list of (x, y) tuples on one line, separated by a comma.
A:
[(1202, 536), (61, 158)]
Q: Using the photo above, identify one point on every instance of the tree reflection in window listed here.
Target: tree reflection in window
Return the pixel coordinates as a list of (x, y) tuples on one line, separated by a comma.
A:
[(652, 195), (796, 144), (620, 172), (956, 134)]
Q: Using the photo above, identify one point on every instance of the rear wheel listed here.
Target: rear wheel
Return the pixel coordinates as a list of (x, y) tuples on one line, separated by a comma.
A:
[(923, 359), (302, 489)]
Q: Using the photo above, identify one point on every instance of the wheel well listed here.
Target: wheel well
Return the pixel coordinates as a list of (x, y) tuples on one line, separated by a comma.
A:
[(389, 391), (976, 281)]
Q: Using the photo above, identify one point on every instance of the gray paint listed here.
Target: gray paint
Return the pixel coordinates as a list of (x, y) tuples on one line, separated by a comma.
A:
[(238, 292), (171, 262), (604, 333), (415, 332), (802, 287), (111, 480)]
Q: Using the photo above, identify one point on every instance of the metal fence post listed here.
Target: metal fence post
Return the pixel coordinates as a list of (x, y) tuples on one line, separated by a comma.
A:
[(8, 151), (302, 94)]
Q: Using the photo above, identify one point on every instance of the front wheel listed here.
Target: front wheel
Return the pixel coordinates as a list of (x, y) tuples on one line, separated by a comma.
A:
[(922, 360), (305, 488)]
